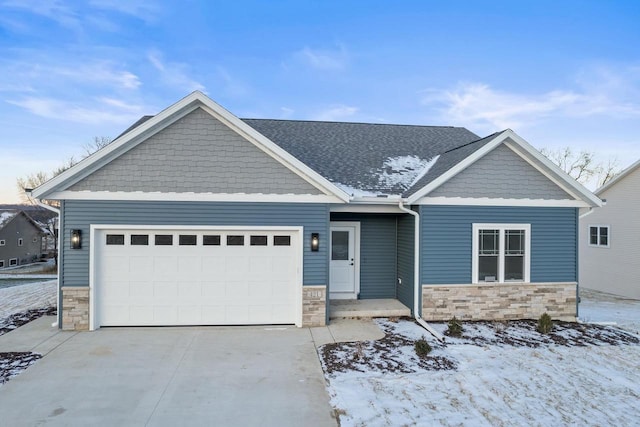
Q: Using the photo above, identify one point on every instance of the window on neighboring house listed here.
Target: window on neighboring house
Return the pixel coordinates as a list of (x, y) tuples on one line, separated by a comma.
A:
[(13, 261), (34, 240), (20, 241), (599, 235), (501, 253), (1, 263), (2, 242)]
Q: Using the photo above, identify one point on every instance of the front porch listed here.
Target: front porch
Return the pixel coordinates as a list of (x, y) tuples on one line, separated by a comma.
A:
[(367, 308)]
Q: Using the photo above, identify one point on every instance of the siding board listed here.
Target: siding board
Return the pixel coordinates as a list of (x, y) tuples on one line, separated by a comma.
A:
[(447, 232), (81, 214)]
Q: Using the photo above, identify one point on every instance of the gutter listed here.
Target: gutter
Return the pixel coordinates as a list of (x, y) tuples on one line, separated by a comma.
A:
[(59, 249), (416, 274)]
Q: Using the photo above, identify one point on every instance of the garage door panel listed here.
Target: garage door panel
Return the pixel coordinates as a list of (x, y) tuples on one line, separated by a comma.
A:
[(212, 284)]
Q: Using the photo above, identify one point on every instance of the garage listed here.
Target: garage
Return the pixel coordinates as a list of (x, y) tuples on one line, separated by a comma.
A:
[(164, 276)]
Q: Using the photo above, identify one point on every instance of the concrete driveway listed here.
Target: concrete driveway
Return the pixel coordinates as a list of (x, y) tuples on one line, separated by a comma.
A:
[(192, 376)]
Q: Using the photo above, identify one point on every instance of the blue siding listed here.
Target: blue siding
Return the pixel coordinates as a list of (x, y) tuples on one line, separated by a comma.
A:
[(446, 241), (377, 253), (81, 214), (406, 225)]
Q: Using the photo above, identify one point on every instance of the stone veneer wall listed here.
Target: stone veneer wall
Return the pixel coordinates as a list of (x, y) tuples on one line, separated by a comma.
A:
[(75, 308), (504, 301), (314, 306)]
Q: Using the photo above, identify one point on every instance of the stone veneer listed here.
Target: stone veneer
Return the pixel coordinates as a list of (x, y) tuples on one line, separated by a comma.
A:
[(75, 308), (314, 306), (499, 301)]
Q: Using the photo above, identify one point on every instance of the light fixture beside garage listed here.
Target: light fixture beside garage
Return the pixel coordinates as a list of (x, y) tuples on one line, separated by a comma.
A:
[(315, 242), (76, 239)]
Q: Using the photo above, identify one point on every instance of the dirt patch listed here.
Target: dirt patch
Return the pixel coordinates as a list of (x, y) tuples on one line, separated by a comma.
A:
[(393, 353), (522, 333), (16, 320), (13, 363)]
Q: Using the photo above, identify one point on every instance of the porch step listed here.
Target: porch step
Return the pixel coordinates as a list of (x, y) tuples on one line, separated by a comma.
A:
[(367, 308)]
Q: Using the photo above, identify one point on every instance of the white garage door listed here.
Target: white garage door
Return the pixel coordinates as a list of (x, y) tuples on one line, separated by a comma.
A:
[(195, 277)]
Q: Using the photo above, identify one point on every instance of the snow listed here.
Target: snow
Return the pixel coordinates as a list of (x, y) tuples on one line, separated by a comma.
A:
[(6, 216), (500, 385)]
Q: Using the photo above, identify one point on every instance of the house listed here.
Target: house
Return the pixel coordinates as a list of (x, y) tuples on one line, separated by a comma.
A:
[(197, 217), (609, 237), (20, 238)]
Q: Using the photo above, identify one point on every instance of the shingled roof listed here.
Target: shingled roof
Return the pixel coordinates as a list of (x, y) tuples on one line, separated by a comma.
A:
[(367, 159)]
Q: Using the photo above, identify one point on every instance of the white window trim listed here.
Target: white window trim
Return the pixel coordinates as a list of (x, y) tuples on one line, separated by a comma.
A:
[(1, 263), (598, 245), (502, 228), (12, 260), (3, 242), (20, 241)]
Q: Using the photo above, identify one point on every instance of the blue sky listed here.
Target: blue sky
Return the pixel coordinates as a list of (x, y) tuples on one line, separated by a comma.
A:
[(560, 73)]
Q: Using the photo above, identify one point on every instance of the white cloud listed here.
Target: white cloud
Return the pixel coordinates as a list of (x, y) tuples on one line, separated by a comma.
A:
[(174, 73), (102, 72), (92, 111), (336, 113), (605, 93), (145, 10), (55, 10), (328, 59)]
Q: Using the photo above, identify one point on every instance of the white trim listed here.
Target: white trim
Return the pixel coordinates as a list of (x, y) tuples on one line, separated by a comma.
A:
[(92, 252), (166, 117), (599, 226), (485, 201), (356, 258), (502, 227), (617, 178), (494, 283), (20, 241), (365, 208), (194, 197), (12, 260), (539, 159), (3, 242)]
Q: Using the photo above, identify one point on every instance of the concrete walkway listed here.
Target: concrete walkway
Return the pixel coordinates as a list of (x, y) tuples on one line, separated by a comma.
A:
[(196, 376)]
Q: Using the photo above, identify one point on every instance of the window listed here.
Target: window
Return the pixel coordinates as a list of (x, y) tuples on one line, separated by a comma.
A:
[(139, 239), (34, 240), (2, 242), (235, 240), (501, 253), (115, 239), (211, 240), (187, 240), (281, 240), (258, 241), (1, 263), (599, 235), (164, 239), (20, 241), (13, 261)]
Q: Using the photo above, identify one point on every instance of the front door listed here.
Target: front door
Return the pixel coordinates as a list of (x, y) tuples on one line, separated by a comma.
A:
[(343, 268)]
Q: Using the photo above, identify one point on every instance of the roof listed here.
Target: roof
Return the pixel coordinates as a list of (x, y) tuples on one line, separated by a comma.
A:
[(617, 178), (342, 159), (7, 215)]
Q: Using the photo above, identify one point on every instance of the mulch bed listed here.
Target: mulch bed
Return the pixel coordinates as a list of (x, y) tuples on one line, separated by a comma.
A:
[(396, 352), (11, 364), (16, 320)]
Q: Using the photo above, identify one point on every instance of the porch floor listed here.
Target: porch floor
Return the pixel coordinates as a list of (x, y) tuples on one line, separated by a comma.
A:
[(367, 308)]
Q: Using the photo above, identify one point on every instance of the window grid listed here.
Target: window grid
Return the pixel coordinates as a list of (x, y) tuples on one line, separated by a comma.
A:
[(599, 235), (502, 253)]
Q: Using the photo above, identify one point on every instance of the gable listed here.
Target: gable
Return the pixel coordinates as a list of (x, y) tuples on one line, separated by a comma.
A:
[(501, 174), (196, 154)]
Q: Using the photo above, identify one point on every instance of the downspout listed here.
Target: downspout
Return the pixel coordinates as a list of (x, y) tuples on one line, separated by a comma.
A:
[(416, 273), (57, 211)]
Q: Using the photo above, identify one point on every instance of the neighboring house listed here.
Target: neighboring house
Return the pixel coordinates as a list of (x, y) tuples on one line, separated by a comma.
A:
[(610, 237), (197, 217), (20, 239)]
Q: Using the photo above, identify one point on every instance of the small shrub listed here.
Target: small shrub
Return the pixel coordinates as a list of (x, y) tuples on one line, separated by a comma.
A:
[(545, 324), (422, 348), (455, 328), (359, 355)]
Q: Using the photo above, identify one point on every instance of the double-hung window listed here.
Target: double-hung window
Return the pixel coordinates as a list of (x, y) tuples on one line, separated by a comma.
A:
[(501, 253), (599, 235)]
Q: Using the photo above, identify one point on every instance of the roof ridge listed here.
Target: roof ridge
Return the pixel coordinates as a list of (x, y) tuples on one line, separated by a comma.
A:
[(355, 123), (473, 142)]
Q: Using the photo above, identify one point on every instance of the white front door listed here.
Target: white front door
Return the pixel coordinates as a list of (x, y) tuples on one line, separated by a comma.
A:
[(344, 264)]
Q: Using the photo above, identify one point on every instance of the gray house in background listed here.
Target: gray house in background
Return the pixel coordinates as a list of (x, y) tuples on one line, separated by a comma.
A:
[(21, 239), (197, 217)]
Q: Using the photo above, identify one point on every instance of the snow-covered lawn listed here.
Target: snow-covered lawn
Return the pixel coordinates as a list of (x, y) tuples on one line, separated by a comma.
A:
[(501, 375)]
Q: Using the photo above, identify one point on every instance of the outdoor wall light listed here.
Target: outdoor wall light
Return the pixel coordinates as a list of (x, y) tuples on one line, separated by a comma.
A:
[(315, 242), (76, 239)]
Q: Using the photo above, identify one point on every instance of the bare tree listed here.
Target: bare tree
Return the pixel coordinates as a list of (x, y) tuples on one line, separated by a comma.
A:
[(583, 166)]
